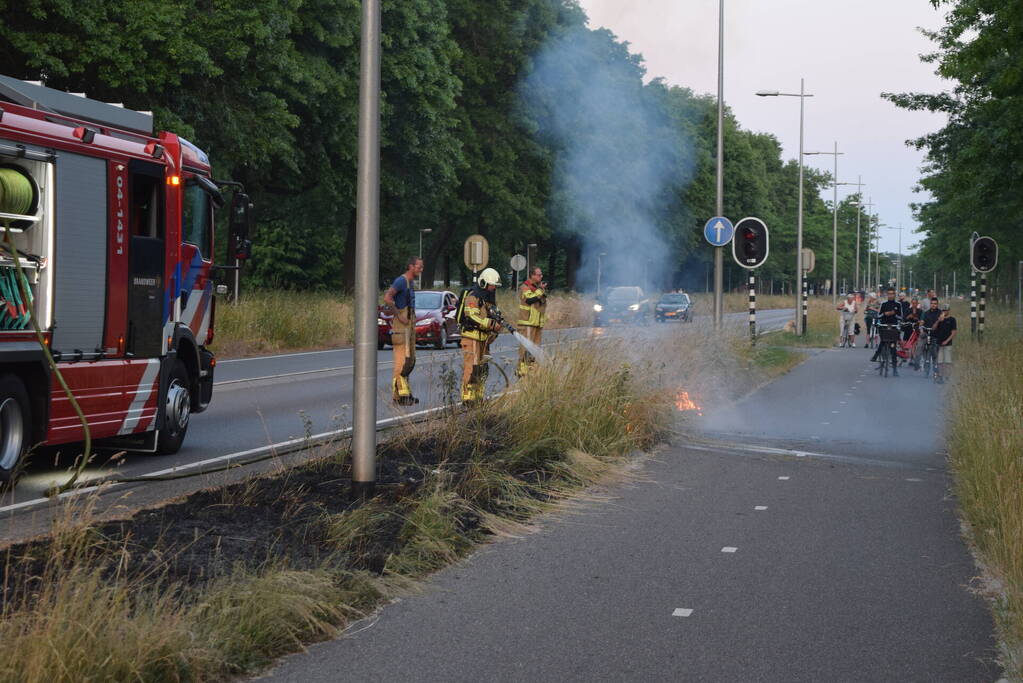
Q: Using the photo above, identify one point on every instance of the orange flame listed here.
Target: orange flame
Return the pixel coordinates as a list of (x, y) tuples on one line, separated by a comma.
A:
[(684, 403)]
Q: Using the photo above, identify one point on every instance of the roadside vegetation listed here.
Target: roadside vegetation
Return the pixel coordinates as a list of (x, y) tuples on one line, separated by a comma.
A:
[(221, 582), (985, 433), (274, 321)]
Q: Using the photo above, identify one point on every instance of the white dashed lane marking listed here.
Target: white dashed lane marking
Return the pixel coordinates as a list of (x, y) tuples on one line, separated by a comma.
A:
[(760, 507), (783, 478), (728, 549), (681, 612), (913, 479)]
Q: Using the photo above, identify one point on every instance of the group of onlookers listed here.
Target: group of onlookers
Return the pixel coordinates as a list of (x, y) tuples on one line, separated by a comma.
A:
[(862, 311)]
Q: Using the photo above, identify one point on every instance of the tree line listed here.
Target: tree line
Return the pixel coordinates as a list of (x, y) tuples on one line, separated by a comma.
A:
[(269, 88), (974, 164)]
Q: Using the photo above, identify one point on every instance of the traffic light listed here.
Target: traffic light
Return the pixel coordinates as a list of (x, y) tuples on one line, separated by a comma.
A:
[(750, 243), (985, 255)]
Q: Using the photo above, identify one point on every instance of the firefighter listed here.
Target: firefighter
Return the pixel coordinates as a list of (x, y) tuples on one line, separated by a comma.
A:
[(532, 315), (400, 300), (478, 329)]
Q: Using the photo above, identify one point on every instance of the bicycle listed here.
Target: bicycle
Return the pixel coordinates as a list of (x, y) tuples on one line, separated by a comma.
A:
[(930, 355), (888, 348)]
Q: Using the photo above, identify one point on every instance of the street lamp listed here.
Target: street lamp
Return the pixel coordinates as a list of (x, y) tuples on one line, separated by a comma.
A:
[(419, 283), (802, 95), (834, 223), (859, 210), (898, 270), (719, 258)]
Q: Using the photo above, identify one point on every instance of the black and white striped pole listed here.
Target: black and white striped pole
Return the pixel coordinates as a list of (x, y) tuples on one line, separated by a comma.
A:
[(753, 308), (980, 309), (973, 302), (805, 295), (973, 289)]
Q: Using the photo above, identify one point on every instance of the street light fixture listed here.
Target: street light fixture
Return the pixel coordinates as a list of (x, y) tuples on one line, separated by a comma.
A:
[(422, 231), (802, 95)]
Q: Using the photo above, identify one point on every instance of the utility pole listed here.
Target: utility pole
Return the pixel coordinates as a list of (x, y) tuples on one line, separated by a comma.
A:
[(367, 256), (719, 258)]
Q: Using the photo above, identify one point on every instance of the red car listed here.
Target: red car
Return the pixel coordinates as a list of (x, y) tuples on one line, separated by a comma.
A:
[(435, 320)]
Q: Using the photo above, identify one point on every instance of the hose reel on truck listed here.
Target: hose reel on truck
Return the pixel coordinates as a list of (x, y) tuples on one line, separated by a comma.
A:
[(19, 196)]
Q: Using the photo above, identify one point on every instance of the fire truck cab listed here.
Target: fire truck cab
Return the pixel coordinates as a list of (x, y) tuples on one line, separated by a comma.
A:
[(113, 227)]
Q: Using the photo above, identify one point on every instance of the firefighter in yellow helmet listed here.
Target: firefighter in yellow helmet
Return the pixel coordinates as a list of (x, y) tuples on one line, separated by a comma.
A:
[(400, 299), (532, 315), (478, 329)]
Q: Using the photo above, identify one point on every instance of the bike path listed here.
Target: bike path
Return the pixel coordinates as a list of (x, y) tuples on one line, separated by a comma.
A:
[(717, 564)]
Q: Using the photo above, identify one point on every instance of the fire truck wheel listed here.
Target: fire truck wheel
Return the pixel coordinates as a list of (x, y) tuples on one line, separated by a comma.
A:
[(15, 426), (178, 410)]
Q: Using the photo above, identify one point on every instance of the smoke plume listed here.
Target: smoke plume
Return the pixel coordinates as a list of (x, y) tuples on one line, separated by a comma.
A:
[(619, 164)]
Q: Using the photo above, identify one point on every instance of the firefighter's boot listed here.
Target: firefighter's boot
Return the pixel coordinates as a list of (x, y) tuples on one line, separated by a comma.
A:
[(474, 391), (402, 392)]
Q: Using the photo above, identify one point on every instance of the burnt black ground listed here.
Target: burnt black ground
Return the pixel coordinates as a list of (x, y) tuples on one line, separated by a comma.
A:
[(855, 571)]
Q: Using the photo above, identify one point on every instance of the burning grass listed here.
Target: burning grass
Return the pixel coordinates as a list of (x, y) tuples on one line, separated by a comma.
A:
[(985, 442)]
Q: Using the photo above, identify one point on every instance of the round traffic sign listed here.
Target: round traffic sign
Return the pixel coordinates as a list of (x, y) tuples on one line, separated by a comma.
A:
[(718, 231), (518, 262)]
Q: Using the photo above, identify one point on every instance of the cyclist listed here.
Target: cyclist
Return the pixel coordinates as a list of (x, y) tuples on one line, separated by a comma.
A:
[(846, 336), (870, 316), (927, 323), (890, 314), (944, 333)]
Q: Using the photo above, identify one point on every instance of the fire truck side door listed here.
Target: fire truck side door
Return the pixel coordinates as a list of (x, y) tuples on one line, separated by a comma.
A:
[(145, 260)]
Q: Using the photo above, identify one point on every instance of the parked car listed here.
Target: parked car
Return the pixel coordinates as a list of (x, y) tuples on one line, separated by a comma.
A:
[(435, 320), (673, 306), (622, 305)]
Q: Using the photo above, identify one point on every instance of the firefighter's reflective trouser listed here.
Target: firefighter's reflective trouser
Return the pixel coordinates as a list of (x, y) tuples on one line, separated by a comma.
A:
[(526, 359), (474, 369), (404, 342)]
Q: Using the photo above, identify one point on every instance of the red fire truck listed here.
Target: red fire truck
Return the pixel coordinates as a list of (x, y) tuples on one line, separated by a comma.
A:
[(113, 227)]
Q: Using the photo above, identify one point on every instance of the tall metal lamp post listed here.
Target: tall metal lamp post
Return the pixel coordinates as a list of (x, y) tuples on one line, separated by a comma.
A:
[(800, 275), (834, 223), (422, 231)]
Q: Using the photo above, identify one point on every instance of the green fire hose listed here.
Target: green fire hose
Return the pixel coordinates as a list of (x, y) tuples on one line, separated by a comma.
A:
[(16, 195)]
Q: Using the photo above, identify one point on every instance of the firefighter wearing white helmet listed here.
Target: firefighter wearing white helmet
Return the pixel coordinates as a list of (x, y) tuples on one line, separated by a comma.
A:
[(478, 329)]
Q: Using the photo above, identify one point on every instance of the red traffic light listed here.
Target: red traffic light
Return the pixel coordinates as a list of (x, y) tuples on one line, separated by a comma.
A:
[(750, 244), (984, 255)]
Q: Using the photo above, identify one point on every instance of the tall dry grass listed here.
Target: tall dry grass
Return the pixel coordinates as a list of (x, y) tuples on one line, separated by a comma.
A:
[(985, 438), (269, 321)]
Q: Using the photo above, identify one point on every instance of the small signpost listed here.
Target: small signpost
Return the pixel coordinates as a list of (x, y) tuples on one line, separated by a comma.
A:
[(476, 253), (518, 262)]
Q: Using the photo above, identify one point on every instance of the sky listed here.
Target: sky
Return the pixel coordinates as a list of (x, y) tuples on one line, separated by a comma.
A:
[(848, 52)]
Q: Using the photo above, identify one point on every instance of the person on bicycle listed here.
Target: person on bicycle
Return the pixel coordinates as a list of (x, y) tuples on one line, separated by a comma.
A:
[(944, 333), (890, 314), (928, 321), (870, 316), (847, 315)]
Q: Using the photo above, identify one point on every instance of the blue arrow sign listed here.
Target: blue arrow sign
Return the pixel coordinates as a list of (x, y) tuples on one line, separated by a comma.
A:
[(719, 231)]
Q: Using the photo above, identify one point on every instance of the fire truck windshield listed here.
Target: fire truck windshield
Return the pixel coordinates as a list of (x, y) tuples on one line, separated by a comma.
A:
[(195, 218)]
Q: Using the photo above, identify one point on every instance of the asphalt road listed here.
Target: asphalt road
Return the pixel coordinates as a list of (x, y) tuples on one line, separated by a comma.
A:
[(810, 536), (271, 399)]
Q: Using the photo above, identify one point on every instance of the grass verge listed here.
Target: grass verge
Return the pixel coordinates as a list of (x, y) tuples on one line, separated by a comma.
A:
[(220, 583), (985, 445), (271, 321)]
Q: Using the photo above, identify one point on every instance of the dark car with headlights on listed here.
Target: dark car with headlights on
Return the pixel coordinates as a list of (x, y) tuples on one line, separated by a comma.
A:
[(673, 306), (435, 320), (626, 305)]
